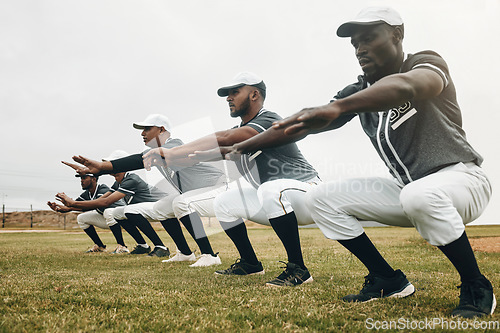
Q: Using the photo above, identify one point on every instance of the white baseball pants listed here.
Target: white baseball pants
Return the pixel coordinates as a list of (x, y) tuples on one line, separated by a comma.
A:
[(438, 205), (272, 199), (92, 217), (175, 205)]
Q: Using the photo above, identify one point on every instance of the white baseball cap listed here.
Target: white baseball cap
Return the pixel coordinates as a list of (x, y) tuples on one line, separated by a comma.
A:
[(369, 16), (240, 80), (116, 154), (155, 119)]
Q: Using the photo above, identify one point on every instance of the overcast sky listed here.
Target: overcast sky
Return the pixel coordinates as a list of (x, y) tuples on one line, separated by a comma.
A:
[(75, 75)]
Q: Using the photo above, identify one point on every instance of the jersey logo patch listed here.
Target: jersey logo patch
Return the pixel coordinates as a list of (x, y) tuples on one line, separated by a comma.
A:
[(401, 114)]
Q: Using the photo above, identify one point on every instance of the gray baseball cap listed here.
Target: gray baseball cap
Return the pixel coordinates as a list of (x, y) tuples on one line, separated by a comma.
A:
[(240, 80), (370, 16)]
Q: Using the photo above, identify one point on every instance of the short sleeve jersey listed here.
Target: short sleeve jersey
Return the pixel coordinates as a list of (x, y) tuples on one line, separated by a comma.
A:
[(419, 137), (189, 178), (137, 190), (100, 191), (274, 163)]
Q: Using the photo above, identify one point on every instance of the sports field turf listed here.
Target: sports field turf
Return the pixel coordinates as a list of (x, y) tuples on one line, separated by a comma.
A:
[(48, 284)]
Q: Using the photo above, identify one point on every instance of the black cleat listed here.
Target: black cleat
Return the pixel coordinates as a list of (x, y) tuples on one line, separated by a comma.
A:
[(476, 299), (293, 275), (140, 250), (159, 252), (242, 267), (377, 286)]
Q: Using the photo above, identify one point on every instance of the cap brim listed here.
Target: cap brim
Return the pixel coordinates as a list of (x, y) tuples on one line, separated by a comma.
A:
[(224, 91), (88, 174), (347, 29), (140, 125)]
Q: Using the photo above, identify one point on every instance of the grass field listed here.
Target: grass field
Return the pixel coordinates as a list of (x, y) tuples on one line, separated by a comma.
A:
[(47, 284)]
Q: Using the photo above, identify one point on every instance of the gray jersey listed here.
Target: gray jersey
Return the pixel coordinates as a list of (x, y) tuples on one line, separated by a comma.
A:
[(101, 189), (283, 162), (190, 178), (419, 137), (137, 190)]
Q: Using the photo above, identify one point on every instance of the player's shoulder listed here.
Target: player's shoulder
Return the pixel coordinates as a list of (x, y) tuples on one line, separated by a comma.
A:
[(267, 114), (173, 142), (102, 188), (424, 58), (351, 88), (132, 178)]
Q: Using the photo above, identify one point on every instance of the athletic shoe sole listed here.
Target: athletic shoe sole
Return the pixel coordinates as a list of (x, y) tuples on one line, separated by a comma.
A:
[(277, 285), (408, 290), (262, 272)]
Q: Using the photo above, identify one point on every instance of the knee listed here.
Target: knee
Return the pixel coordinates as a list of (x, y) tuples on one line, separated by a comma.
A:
[(416, 201), (180, 206), (81, 222)]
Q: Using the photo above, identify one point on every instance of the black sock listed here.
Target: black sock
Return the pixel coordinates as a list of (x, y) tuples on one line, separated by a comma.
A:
[(461, 255), (363, 248), (173, 228), (146, 228), (287, 229), (237, 232), (131, 228), (117, 232), (90, 231), (194, 226)]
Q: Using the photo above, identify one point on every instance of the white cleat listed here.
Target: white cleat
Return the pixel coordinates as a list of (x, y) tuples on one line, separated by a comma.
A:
[(206, 260), (179, 256)]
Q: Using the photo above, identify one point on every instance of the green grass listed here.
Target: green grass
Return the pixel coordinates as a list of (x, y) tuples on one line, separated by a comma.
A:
[(48, 284)]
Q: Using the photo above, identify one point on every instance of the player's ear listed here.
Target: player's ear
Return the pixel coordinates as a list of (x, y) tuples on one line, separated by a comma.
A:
[(255, 95), (397, 34)]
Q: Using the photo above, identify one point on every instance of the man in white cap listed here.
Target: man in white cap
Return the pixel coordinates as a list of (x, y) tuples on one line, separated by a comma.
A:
[(407, 106), (92, 217), (199, 181), (279, 179), (130, 189)]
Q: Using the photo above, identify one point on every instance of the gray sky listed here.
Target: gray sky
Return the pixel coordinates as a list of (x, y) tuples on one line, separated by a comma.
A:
[(75, 75)]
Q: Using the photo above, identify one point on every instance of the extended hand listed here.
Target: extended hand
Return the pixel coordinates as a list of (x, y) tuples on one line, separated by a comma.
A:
[(62, 197), (58, 208), (308, 120), (232, 153), (87, 165), (215, 154), (155, 157)]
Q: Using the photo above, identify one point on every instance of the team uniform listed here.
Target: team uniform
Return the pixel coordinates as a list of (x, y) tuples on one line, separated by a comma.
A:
[(100, 217), (189, 193), (188, 190), (279, 178), (437, 184), (136, 191)]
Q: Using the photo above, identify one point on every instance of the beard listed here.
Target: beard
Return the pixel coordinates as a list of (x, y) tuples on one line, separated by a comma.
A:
[(243, 109)]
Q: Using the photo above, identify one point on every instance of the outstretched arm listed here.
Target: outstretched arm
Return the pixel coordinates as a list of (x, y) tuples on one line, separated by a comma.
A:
[(58, 208), (390, 91), (107, 199), (180, 156), (89, 166)]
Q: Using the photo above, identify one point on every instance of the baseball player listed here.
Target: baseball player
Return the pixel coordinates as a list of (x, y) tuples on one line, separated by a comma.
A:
[(281, 178), (130, 188), (191, 189), (100, 217), (407, 106)]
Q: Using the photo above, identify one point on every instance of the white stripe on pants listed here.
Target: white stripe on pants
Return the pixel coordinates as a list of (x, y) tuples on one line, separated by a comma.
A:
[(272, 199)]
